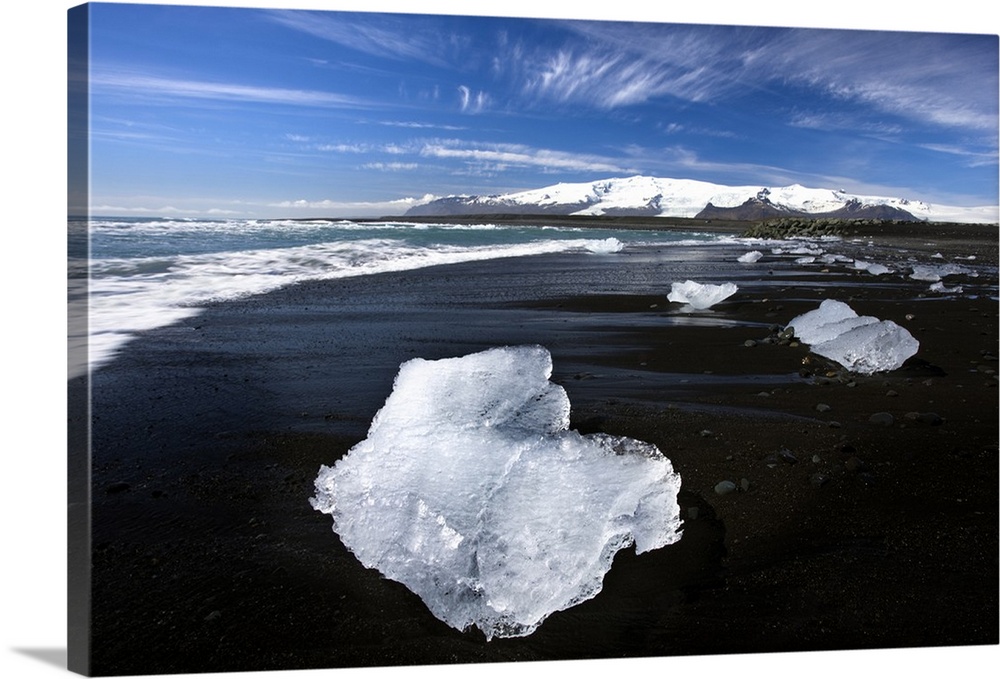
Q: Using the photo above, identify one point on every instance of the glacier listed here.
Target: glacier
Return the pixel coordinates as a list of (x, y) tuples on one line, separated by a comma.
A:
[(700, 295), (862, 344), (471, 490), (686, 198)]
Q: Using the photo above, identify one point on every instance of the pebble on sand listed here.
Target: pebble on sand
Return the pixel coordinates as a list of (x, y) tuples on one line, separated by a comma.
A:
[(724, 487), (882, 419)]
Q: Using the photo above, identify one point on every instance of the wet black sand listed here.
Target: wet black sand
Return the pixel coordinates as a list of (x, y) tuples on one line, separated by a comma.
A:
[(842, 533)]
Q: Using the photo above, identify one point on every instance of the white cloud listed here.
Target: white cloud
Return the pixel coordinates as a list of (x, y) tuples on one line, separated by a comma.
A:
[(113, 210), (135, 84), (356, 207), (391, 167), (472, 103), (413, 125), (410, 38), (505, 156), (972, 158)]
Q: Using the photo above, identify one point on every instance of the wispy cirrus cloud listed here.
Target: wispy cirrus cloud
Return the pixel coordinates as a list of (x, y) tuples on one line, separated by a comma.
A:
[(827, 122), (391, 167), (618, 64), (508, 156), (472, 102), (948, 81), (413, 125), (137, 84), (411, 38), (358, 207), (926, 78), (972, 158), (610, 80)]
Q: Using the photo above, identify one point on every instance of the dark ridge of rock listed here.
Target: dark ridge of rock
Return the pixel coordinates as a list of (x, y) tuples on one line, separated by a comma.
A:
[(753, 209)]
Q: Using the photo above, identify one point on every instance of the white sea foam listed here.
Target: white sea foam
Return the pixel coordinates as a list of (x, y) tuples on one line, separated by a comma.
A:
[(606, 246), (750, 257), (471, 490), (134, 294)]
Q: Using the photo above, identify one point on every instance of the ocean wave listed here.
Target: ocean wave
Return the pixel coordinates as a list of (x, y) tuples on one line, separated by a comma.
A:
[(131, 295)]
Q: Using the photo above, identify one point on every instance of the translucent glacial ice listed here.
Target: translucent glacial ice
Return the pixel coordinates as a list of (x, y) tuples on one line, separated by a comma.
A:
[(935, 272), (700, 295), (871, 267), (750, 257), (862, 344), (471, 490)]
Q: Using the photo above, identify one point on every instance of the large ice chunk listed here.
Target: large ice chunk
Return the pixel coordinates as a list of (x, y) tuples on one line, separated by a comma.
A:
[(472, 491), (863, 344), (700, 295)]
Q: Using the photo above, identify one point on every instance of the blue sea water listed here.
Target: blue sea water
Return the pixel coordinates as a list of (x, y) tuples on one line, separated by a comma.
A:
[(144, 273)]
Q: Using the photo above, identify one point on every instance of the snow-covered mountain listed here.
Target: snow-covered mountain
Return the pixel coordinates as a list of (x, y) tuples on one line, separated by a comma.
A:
[(662, 197)]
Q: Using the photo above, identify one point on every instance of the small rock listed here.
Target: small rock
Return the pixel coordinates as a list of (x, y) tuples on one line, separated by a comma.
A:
[(750, 343), (865, 479), (882, 419), (816, 459), (819, 479), (214, 615), (892, 393), (933, 419), (745, 484), (705, 433), (724, 487), (853, 464), (786, 456), (692, 513), (823, 408)]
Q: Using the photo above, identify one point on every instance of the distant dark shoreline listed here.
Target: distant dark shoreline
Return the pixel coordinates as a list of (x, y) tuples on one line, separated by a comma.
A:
[(853, 228), (849, 228)]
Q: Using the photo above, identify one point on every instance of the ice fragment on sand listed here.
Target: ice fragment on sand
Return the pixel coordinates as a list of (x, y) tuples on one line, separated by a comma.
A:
[(604, 247), (871, 267), (471, 490), (700, 295), (939, 286), (933, 273), (863, 344), (750, 257)]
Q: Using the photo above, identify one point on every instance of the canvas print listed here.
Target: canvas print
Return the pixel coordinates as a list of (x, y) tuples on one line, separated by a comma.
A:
[(412, 339)]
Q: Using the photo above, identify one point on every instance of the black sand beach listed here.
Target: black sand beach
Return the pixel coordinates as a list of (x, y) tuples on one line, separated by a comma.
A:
[(843, 532)]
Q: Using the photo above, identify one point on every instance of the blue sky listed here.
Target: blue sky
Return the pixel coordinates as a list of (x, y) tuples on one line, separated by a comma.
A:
[(202, 111)]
